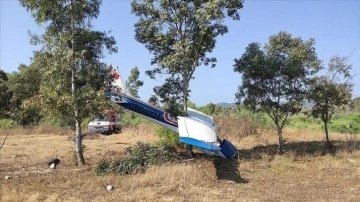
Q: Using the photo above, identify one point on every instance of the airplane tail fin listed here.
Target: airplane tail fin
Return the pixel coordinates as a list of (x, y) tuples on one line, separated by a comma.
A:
[(118, 83)]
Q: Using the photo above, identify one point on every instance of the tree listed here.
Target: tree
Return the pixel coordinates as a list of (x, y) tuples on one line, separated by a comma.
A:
[(274, 80), (211, 109), (23, 85), (355, 105), (73, 77), (330, 91), (133, 83), (180, 34), (4, 95)]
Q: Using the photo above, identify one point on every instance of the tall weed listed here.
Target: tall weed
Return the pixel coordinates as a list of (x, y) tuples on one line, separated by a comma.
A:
[(241, 122)]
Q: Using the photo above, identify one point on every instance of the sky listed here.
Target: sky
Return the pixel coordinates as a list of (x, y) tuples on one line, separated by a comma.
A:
[(334, 24)]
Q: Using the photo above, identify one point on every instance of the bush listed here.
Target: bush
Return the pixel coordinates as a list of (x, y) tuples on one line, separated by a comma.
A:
[(341, 123), (102, 167), (130, 119), (346, 123), (302, 121), (168, 137), (6, 123), (138, 159), (85, 124)]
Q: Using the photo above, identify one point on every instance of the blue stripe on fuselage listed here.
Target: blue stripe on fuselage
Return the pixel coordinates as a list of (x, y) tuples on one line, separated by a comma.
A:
[(142, 108)]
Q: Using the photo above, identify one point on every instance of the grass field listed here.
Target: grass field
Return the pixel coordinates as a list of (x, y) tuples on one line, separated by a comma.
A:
[(259, 174)]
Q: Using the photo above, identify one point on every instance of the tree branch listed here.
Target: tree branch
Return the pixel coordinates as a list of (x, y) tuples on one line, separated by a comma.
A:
[(8, 132)]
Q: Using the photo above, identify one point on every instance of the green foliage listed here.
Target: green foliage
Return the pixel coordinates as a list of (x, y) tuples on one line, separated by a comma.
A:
[(73, 78), (103, 167), (274, 80), (27, 115), (174, 108), (355, 105), (133, 83), (330, 91), (192, 105), (138, 159), (85, 123), (24, 84), (346, 123), (211, 109), (4, 94), (180, 34), (168, 137), (302, 121), (6, 123), (341, 123), (255, 120), (131, 120)]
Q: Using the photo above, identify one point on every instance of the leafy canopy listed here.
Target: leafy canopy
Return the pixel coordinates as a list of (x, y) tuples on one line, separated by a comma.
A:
[(72, 75), (180, 34), (133, 83), (275, 78), (331, 90)]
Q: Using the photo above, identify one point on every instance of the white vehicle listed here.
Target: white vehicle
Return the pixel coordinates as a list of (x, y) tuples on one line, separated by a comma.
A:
[(105, 125)]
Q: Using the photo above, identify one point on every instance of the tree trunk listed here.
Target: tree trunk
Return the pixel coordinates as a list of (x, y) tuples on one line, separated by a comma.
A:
[(185, 98), (189, 150), (185, 105), (78, 145), (326, 132), (328, 146), (281, 140), (78, 136)]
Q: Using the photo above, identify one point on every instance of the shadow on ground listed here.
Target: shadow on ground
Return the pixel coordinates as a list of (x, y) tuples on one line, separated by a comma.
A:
[(313, 148), (228, 169)]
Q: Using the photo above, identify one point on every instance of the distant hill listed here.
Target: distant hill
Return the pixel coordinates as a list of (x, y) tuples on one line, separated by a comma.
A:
[(225, 104)]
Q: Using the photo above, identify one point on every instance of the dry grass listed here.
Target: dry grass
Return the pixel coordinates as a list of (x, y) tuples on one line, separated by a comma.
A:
[(302, 174)]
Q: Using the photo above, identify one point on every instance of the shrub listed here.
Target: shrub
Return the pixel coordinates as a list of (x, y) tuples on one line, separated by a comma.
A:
[(168, 137), (341, 123), (302, 121), (346, 123), (138, 159), (102, 167), (6, 123), (85, 123), (130, 119)]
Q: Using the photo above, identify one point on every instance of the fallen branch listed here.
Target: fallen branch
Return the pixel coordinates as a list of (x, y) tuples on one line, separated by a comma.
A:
[(5, 138), (8, 132)]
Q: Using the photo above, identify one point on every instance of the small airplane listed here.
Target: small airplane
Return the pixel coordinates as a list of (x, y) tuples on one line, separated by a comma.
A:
[(196, 128)]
